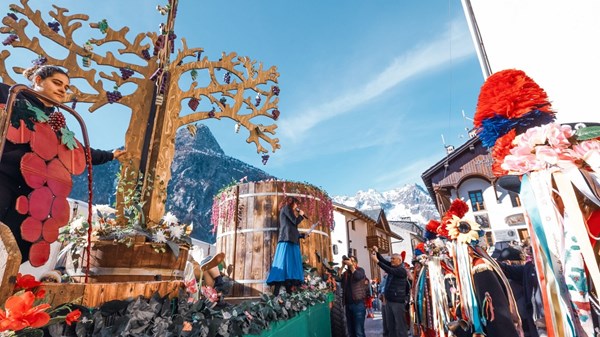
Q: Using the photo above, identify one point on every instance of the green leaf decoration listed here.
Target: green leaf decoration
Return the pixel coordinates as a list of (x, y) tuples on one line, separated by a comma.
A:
[(40, 115), (589, 132), (20, 113), (28, 332), (68, 138), (174, 247)]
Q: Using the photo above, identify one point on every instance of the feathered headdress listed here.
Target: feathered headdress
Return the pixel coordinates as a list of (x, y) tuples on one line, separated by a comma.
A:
[(509, 103)]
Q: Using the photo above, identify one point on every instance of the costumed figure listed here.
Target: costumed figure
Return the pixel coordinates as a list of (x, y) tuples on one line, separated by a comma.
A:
[(487, 304), (559, 169), (287, 269), (39, 157), (435, 306)]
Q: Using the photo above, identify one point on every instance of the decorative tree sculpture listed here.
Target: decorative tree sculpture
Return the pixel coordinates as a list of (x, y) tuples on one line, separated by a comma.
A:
[(156, 102)]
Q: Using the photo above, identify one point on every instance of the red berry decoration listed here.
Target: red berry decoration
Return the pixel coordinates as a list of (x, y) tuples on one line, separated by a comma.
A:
[(39, 253), (126, 73), (193, 103), (113, 96), (275, 90), (275, 114), (57, 121), (211, 113), (10, 39)]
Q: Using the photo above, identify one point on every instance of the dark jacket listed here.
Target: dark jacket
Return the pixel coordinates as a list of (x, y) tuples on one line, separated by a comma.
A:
[(288, 225), (353, 285), (396, 283), (525, 276), (10, 163)]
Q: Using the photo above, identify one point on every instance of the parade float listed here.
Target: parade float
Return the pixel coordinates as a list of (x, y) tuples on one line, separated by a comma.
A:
[(115, 287)]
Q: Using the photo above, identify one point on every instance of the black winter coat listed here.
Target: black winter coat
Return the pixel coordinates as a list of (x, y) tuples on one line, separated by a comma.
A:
[(396, 283), (288, 225)]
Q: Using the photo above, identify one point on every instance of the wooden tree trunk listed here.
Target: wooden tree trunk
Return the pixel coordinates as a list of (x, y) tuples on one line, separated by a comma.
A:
[(10, 261)]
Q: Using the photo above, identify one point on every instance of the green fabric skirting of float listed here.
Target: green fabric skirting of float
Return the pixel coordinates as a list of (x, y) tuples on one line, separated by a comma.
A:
[(314, 322)]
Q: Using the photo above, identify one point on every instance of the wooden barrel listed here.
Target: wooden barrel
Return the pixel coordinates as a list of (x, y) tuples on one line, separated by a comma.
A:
[(142, 261), (247, 219)]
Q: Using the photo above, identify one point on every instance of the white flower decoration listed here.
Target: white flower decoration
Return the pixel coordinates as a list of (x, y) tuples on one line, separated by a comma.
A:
[(176, 231), (160, 236), (463, 230), (105, 209), (170, 218)]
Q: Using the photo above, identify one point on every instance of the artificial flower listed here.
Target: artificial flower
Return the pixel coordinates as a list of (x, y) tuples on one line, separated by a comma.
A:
[(463, 230), (26, 282), (176, 231), (170, 218), (160, 236), (500, 150), (19, 313), (210, 293), (73, 316)]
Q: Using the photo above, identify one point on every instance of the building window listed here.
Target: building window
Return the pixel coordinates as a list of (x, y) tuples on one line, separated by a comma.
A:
[(335, 249), (476, 198), (353, 226), (354, 252), (488, 238), (514, 199)]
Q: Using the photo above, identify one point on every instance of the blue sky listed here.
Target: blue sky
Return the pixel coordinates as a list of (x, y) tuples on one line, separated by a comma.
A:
[(367, 87)]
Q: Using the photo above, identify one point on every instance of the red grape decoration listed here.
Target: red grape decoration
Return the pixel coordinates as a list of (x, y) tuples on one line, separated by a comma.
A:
[(47, 170)]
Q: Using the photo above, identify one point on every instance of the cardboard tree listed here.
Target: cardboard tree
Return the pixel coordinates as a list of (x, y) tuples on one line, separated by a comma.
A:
[(157, 110)]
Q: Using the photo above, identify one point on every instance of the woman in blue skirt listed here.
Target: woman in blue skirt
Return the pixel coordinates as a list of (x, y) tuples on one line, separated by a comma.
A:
[(287, 268)]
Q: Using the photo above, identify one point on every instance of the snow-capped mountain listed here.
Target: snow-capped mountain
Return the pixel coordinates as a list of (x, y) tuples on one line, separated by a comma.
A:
[(408, 201)]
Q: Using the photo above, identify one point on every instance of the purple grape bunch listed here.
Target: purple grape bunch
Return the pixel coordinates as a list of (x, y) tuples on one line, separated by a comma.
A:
[(146, 54), (126, 73), (193, 103), (163, 83), (54, 25), (172, 38), (275, 113), (159, 44), (157, 73), (74, 103), (10, 39), (211, 113), (275, 90), (40, 61), (227, 77), (113, 96), (13, 16), (265, 159), (257, 100), (199, 56), (223, 100)]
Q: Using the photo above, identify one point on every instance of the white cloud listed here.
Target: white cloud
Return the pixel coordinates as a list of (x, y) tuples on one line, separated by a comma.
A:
[(407, 174), (455, 44)]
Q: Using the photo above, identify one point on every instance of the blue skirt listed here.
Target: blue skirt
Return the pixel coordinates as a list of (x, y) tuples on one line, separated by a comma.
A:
[(287, 265)]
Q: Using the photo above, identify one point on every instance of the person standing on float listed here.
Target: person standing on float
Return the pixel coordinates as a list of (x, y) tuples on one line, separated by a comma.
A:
[(286, 269), (52, 82)]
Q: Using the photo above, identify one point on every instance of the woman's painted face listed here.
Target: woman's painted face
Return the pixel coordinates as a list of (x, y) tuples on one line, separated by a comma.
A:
[(55, 86)]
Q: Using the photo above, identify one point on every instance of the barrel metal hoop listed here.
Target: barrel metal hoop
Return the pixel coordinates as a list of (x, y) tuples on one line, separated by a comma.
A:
[(98, 271), (267, 229)]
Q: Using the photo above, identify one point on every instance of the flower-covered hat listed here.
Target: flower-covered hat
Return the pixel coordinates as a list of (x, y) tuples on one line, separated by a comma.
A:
[(509, 103)]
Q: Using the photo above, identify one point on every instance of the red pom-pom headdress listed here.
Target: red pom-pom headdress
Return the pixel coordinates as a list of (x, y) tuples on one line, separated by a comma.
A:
[(509, 103)]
